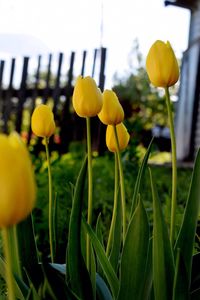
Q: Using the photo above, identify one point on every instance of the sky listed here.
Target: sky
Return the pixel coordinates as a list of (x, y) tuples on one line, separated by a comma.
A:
[(32, 27)]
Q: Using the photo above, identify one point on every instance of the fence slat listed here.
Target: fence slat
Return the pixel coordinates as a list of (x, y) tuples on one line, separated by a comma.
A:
[(34, 96), (22, 95), (83, 63), (2, 63), (102, 68), (94, 62), (66, 119), (56, 92), (7, 105), (48, 78), (101, 146)]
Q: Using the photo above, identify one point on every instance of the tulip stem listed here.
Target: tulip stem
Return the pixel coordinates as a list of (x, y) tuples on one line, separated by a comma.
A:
[(90, 191), (16, 249), (51, 238), (174, 167), (122, 189), (111, 232), (8, 265)]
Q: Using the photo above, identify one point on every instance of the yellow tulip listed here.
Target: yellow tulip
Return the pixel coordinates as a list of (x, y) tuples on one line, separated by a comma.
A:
[(123, 137), (17, 183), (161, 64), (42, 121), (87, 97), (112, 112)]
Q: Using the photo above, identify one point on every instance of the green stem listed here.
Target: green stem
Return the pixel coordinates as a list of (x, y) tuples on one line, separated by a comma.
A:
[(16, 249), (174, 167), (8, 265), (111, 232), (122, 189), (50, 202), (90, 191)]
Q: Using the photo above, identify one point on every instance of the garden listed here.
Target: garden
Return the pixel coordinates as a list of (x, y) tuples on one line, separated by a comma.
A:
[(117, 225)]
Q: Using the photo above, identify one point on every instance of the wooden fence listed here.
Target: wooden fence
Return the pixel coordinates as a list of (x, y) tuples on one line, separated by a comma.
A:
[(14, 102)]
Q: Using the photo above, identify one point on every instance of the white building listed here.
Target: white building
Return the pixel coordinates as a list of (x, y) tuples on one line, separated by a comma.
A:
[(188, 108)]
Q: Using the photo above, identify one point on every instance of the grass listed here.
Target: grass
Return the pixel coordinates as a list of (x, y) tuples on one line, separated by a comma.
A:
[(65, 170)]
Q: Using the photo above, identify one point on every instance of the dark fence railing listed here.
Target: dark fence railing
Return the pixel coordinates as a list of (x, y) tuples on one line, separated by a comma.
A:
[(17, 104)]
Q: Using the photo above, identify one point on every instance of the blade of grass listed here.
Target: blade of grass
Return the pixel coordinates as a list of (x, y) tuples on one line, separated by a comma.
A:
[(21, 293)]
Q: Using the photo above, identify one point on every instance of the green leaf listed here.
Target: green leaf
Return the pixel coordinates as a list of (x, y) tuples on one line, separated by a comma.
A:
[(195, 276), (55, 286), (78, 275), (180, 287), (163, 261), (139, 177), (100, 238), (186, 236), (25, 232), (117, 239), (105, 264), (148, 277), (103, 292), (99, 230), (134, 256)]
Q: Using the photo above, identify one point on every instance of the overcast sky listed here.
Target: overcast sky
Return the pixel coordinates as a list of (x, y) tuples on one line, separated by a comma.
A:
[(31, 27)]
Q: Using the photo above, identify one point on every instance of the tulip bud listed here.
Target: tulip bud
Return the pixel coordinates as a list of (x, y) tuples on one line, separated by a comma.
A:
[(87, 97), (122, 134), (18, 189), (161, 64), (112, 112), (42, 121)]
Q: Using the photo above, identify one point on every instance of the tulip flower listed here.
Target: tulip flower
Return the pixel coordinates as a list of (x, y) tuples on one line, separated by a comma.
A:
[(161, 64), (112, 112), (122, 134), (18, 190), (42, 121), (87, 97)]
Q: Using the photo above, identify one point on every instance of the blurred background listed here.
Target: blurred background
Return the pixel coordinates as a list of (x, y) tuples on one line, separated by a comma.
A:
[(31, 28), (45, 45)]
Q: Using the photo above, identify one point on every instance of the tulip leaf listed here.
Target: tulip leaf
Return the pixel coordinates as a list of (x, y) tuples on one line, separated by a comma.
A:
[(139, 177), (180, 286), (55, 285), (134, 256), (99, 230), (195, 276), (163, 261), (100, 238), (186, 236), (103, 260), (78, 275), (25, 232), (148, 275), (103, 292), (117, 239)]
